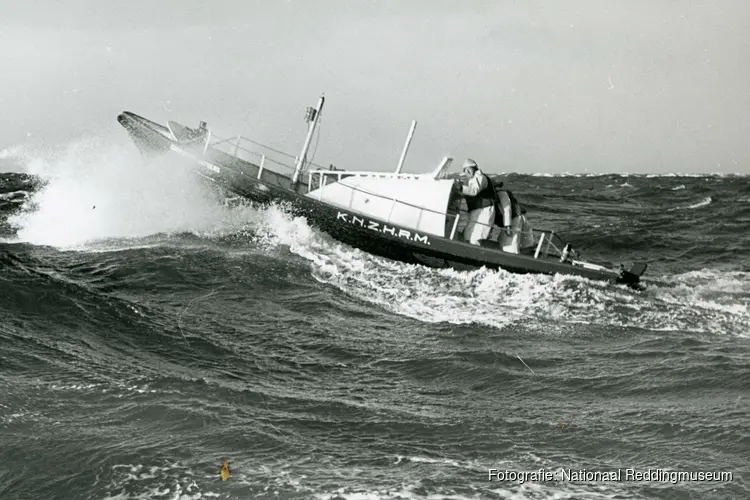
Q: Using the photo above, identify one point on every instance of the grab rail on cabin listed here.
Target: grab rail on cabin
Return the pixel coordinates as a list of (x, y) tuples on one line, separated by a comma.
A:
[(544, 235), (323, 175)]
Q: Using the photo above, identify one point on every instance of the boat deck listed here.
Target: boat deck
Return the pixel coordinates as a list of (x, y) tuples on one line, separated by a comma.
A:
[(432, 237), (240, 154)]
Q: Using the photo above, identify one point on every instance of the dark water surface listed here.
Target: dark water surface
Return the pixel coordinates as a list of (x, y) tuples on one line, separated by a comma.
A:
[(148, 332)]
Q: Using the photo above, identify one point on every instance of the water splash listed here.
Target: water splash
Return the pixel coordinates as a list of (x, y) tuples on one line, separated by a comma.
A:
[(11, 152), (708, 301), (98, 190)]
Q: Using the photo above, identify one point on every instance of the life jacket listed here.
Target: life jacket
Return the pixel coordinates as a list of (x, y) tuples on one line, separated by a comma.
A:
[(484, 198)]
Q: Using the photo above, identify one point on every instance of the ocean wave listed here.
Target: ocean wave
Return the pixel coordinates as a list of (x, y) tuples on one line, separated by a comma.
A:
[(686, 302), (704, 202), (150, 329), (102, 198), (96, 190), (170, 480), (176, 480), (19, 195)]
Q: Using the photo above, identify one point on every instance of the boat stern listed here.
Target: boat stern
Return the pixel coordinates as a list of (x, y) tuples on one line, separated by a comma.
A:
[(632, 275)]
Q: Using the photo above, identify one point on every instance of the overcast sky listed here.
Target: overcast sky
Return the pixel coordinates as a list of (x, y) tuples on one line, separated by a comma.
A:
[(524, 86)]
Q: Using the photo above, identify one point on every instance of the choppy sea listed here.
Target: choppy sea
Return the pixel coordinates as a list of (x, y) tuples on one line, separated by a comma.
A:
[(150, 330)]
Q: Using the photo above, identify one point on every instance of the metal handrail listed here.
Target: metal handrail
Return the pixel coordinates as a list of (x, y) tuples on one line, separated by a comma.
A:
[(364, 173), (546, 232), (324, 173), (262, 156), (238, 147)]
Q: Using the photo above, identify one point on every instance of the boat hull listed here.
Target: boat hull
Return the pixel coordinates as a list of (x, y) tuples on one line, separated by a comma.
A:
[(372, 235)]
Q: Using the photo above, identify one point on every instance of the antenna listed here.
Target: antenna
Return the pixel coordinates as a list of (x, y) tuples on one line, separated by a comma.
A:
[(312, 116), (406, 146)]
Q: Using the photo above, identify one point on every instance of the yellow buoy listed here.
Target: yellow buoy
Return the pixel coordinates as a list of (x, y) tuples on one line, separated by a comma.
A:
[(225, 474)]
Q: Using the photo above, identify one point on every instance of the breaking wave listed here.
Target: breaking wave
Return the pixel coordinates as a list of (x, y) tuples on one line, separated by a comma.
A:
[(706, 301), (95, 190), (98, 194), (177, 328), (702, 203)]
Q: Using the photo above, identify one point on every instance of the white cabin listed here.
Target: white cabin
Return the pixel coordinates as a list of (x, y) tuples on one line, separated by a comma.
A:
[(420, 202)]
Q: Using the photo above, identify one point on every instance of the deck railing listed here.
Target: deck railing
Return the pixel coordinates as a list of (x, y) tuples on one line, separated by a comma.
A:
[(544, 240), (267, 156), (264, 154)]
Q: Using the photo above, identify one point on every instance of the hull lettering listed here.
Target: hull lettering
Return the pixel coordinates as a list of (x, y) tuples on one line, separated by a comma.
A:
[(383, 228)]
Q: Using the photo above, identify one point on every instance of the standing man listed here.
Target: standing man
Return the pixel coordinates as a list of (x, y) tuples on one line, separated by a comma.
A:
[(480, 200)]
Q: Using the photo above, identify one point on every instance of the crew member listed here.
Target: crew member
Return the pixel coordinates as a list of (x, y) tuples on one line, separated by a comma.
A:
[(480, 200), (517, 233)]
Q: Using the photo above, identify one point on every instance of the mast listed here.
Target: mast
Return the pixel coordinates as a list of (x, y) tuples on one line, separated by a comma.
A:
[(406, 146), (312, 116)]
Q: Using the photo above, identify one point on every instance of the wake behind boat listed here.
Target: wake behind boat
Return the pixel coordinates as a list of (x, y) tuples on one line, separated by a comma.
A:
[(412, 218)]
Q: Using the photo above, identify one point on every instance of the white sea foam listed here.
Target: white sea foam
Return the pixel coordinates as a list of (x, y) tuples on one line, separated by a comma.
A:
[(98, 190), (135, 198), (139, 481), (690, 302), (704, 202), (10, 152), (406, 476)]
